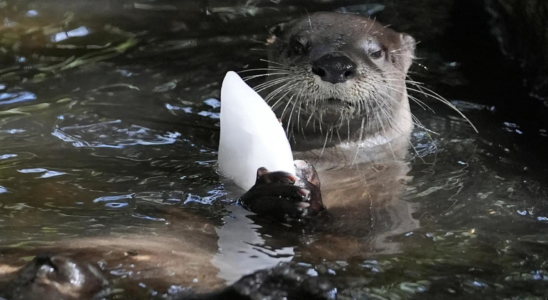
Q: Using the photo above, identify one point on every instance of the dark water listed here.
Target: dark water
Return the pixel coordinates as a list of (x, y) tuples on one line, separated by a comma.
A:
[(109, 121)]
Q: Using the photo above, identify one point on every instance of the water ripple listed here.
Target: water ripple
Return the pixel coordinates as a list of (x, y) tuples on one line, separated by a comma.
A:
[(113, 198), (16, 97), (112, 134), (47, 173)]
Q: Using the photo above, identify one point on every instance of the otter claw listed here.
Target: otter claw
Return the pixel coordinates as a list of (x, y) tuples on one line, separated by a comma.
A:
[(305, 193), (303, 205)]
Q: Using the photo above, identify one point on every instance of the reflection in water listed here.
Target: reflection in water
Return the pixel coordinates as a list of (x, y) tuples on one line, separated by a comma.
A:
[(61, 36), (110, 148), (242, 250), (45, 172), (400, 215), (112, 134), (11, 98)]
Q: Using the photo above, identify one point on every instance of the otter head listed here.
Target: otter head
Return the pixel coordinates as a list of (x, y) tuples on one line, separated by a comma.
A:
[(337, 69)]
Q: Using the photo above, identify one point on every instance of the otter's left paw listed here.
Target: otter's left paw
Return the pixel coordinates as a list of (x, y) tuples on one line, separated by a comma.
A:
[(275, 194)]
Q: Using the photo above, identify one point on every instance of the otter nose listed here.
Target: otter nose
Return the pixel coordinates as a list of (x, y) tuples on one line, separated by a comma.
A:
[(334, 68)]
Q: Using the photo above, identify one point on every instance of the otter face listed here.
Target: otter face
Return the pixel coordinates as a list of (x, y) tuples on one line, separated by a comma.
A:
[(338, 68)]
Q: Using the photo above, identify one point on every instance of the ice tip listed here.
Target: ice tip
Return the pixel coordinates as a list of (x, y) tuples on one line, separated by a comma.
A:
[(232, 82), (231, 76)]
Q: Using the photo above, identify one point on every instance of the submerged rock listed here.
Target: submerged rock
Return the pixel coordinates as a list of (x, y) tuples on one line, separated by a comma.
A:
[(49, 277)]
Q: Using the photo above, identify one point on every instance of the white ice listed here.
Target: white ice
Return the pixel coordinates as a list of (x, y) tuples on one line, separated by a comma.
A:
[(251, 135)]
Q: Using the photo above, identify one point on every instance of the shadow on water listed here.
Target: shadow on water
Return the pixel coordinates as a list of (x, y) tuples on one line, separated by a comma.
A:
[(109, 123)]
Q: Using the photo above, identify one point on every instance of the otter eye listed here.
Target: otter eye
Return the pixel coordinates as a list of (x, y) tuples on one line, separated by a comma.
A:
[(297, 47), (377, 54)]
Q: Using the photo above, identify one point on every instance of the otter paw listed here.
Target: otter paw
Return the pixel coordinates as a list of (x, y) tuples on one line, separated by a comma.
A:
[(276, 194)]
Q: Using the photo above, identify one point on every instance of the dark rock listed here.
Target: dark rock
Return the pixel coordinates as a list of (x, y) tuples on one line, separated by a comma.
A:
[(521, 28), (287, 281), (49, 277)]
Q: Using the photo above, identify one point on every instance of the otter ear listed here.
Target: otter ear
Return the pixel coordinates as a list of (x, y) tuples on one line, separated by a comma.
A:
[(407, 51)]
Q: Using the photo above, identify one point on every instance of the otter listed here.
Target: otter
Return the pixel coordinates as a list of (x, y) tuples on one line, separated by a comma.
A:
[(339, 87), (338, 84)]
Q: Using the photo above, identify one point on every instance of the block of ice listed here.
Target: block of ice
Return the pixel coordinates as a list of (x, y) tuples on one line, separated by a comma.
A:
[(251, 136)]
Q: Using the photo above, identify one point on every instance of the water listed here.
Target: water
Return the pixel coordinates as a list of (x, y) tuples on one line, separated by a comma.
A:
[(109, 127)]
